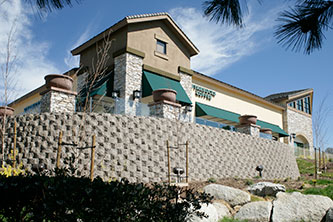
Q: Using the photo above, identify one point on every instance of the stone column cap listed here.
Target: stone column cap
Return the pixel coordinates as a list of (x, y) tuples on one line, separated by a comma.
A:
[(52, 88), (165, 102)]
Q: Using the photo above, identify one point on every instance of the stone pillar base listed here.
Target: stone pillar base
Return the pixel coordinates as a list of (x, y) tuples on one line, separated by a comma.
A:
[(251, 129), (57, 100), (165, 109)]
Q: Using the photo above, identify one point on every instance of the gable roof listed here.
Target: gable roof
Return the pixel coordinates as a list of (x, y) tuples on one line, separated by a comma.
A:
[(136, 19), (288, 95)]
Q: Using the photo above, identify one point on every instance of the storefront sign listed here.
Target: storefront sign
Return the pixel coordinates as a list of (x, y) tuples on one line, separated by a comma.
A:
[(203, 92)]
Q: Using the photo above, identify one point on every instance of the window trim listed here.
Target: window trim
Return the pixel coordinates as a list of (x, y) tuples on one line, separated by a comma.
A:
[(163, 46), (302, 105), (165, 42)]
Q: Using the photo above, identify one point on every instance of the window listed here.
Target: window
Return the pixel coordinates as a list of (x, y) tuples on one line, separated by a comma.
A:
[(300, 104), (292, 104), (161, 47), (307, 105)]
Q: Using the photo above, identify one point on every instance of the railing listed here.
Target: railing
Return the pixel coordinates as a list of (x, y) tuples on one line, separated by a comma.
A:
[(310, 154), (117, 106), (303, 152)]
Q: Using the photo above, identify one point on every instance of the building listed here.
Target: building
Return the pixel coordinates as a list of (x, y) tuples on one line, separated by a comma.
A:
[(297, 117), (150, 52)]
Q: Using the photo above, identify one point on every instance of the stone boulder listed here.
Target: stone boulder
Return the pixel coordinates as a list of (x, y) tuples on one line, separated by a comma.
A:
[(266, 189), (209, 210), (300, 207), (255, 212), (222, 210), (329, 216), (231, 195)]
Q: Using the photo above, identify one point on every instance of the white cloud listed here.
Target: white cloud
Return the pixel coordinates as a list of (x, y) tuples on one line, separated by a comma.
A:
[(31, 62), (74, 61), (220, 45)]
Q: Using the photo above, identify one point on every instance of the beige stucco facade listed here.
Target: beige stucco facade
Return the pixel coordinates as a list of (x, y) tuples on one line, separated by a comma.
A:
[(234, 102), (143, 37)]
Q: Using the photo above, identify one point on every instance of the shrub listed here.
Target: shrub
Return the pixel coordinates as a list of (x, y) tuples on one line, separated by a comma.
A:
[(248, 182), (65, 198), (227, 219), (211, 180)]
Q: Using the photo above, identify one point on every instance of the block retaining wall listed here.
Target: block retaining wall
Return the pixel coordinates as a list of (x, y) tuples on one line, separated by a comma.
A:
[(135, 147)]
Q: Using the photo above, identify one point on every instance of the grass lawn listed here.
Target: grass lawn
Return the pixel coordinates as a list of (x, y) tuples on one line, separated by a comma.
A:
[(324, 183)]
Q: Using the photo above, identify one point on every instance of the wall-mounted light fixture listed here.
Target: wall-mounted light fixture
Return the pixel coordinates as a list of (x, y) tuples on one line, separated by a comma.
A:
[(136, 94), (293, 135), (189, 108), (115, 94)]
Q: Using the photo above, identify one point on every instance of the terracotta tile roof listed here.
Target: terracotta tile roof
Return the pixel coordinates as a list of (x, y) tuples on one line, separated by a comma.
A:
[(147, 15)]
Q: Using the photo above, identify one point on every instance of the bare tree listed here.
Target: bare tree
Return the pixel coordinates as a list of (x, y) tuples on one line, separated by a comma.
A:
[(92, 77), (99, 69), (8, 67), (320, 128)]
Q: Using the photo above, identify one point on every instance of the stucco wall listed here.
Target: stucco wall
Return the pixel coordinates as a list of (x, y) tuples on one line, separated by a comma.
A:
[(135, 147), (142, 37), (19, 107), (232, 102), (119, 41)]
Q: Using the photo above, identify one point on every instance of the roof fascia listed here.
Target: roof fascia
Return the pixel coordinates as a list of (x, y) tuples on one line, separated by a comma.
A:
[(99, 37), (193, 49), (300, 94), (188, 43)]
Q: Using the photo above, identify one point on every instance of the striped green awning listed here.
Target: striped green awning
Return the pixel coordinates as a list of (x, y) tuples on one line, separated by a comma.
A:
[(152, 81), (274, 128), (216, 114)]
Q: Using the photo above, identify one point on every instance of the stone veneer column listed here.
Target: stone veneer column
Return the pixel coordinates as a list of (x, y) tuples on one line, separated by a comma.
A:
[(57, 100), (186, 82), (300, 124), (127, 78), (251, 129), (165, 109)]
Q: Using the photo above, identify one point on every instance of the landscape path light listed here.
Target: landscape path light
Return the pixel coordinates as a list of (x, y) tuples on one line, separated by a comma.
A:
[(260, 168), (178, 171)]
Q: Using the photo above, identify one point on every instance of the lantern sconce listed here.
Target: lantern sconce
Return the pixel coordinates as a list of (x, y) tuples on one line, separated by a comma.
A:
[(136, 94), (115, 94), (189, 108)]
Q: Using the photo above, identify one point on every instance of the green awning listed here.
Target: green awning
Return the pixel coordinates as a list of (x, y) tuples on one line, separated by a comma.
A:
[(152, 81), (216, 114), (102, 86), (274, 128)]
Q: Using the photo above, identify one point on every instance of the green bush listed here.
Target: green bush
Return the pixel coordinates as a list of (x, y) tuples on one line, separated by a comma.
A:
[(65, 198)]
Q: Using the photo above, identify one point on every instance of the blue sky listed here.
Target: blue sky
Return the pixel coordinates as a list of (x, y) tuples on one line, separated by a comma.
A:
[(248, 58)]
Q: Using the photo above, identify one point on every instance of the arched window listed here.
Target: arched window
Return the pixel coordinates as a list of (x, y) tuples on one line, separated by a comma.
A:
[(301, 141)]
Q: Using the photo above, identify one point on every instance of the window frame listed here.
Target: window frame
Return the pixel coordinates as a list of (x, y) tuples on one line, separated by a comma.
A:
[(163, 46)]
